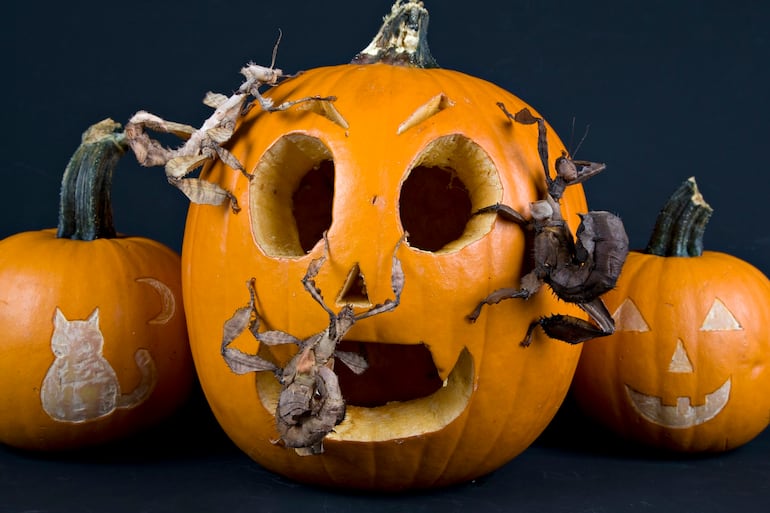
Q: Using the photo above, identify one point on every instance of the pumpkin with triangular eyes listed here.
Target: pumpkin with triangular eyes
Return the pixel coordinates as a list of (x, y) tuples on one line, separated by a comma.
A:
[(688, 368)]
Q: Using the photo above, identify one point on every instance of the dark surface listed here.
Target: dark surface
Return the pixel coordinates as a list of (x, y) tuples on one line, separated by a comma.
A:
[(669, 89), (188, 465)]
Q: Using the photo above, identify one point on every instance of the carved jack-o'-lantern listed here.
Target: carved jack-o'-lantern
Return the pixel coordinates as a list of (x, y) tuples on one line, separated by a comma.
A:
[(690, 358), (401, 150)]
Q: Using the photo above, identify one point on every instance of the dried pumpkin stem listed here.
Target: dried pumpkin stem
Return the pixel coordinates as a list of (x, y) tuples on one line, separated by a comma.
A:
[(681, 223), (85, 206), (402, 40)]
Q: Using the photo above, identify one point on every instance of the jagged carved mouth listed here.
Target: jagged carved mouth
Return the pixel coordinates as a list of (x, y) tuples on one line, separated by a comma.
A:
[(399, 396), (683, 414)]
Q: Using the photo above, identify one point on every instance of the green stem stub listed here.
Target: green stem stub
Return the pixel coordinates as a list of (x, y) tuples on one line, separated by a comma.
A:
[(85, 207), (402, 39), (680, 225)]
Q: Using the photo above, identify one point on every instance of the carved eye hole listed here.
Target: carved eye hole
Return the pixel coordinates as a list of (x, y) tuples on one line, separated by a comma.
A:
[(449, 179), (629, 318), (291, 195), (720, 318)]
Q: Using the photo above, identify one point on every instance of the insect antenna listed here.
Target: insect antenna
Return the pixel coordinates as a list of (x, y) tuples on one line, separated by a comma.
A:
[(275, 49), (573, 153)]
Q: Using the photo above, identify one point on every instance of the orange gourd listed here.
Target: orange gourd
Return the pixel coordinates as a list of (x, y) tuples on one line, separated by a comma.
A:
[(689, 364), (94, 344), (404, 148)]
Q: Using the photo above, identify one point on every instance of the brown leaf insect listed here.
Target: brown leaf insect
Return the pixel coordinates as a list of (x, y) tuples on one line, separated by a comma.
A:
[(577, 272), (310, 404), (206, 142)]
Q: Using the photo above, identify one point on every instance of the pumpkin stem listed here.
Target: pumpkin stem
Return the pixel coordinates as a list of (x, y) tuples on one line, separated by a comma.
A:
[(680, 225), (85, 209), (402, 39)]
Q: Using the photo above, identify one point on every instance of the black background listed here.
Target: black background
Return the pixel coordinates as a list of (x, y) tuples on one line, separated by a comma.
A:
[(669, 89)]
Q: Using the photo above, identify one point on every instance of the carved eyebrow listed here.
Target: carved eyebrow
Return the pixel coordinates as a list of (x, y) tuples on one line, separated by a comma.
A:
[(326, 108), (425, 111)]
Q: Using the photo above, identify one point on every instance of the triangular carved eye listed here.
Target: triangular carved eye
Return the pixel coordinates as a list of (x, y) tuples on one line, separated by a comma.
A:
[(720, 318), (629, 318)]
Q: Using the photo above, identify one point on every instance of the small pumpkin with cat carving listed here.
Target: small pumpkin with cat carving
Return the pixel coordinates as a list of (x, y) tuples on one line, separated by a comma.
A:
[(94, 344)]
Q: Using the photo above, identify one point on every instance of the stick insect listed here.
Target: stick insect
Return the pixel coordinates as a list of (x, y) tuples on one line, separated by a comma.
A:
[(310, 404), (579, 272), (206, 143)]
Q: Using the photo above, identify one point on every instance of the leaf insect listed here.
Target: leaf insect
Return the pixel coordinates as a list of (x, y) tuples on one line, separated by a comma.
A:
[(206, 142), (310, 404), (579, 271)]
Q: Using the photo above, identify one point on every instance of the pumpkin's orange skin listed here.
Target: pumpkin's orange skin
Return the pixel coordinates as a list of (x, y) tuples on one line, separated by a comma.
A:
[(38, 273), (674, 296), (516, 391)]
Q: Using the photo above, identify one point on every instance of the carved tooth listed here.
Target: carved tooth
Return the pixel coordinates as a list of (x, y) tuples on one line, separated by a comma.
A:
[(445, 364)]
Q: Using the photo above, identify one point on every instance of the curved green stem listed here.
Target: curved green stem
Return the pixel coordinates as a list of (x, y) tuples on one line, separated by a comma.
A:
[(681, 223), (85, 207), (402, 39)]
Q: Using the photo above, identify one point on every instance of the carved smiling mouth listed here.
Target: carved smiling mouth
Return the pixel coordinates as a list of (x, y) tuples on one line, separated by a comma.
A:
[(683, 415), (401, 383)]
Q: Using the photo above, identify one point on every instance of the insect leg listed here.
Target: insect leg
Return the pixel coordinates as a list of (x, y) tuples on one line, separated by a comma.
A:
[(574, 330), (397, 284), (497, 296)]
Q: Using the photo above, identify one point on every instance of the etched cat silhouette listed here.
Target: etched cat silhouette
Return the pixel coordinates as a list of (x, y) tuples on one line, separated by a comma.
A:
[(81, 385)]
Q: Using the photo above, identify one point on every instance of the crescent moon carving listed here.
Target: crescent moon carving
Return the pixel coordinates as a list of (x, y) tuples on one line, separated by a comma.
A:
[(167, 300)]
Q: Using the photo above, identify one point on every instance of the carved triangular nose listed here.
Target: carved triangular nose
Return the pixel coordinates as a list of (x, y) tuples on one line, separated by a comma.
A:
[(680, 362), (354, 289)]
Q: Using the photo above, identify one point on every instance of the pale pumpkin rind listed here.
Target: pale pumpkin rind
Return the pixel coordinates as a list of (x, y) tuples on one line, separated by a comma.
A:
[(512, 392)]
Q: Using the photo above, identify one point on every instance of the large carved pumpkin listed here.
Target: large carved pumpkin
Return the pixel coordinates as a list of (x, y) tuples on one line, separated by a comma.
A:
[(402, 149), (689, 365)]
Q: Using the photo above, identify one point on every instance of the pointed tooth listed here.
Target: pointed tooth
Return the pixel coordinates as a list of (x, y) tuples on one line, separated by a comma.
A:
[(445, 361)]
